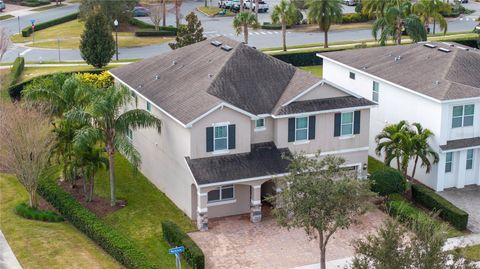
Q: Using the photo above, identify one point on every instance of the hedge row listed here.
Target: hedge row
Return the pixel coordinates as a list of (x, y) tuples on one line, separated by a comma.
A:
[(27, 31), (15, 90), (35, 3), (27, 212), (447, 211), (17, 69), (113, 242), (300, 58), (271, 26), (354, 18), (177, 237), (399, 207), (141, 24), (155, 33)]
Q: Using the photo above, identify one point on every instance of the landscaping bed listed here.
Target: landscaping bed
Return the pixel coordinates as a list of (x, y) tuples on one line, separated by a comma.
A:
[(213, 11)]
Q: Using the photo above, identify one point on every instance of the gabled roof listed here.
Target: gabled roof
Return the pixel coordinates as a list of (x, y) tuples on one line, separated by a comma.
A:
[(324, 104), (190, 81), (426, 70)]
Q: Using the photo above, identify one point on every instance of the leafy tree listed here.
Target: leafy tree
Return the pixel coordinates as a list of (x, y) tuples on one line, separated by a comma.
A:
[(26, 143), (394, 247), (398, 17), (389, 140), (97, 45), (284, 13), (375, 7), (113, 9), (105, 121), (324, 13), (91, 159), (242, 21), (428, 10), (319, 197), (422, 149), (190, 33)]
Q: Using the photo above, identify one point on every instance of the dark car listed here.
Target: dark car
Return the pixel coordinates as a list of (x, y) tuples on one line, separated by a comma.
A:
[(2, 5), (140, 12)]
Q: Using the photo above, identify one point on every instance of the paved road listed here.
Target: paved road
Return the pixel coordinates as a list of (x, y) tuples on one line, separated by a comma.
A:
[(213, 27)]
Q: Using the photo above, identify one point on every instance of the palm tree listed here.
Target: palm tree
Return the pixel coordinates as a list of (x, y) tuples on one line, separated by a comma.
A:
[(242, 21), (284, 13), (390, 142), (432, 9), (397, 18), (91, 160), (324, 12), (422, 149), (375, 7), (108, 124)]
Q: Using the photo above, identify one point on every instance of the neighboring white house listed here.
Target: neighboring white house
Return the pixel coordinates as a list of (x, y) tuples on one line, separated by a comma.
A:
[(435, 84)]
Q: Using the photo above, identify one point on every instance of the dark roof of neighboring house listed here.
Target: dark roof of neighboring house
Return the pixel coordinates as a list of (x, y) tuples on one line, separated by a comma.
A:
[(461, 143), (324, 104), (429, 71), (263, 160), (194, 79)]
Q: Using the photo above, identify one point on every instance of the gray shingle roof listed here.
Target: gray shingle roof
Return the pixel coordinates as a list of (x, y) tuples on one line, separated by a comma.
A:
[(263, 160), (194, 79), (324, 104), (443, 76), (461, 143)]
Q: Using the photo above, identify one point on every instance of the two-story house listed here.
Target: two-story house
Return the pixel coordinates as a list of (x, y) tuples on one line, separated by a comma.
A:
[(229, 114), (436, 84)]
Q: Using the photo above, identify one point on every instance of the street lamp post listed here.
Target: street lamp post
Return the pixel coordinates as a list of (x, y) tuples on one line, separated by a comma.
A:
[(115, 23)]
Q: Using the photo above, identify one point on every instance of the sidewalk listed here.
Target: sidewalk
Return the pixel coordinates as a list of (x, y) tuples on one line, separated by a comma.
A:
[(17, 10), (7, 258)]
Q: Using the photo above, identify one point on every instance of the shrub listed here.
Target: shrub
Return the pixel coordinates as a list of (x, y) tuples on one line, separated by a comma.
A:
[(387, 181), (447, 211), (27, 31), (17, 69), (27, 212), (177, 237), (400, 208), (155, 33), (354, 18), (271, 26), (101, 80), (113, 242), (300, 59), (141, 24), (34, 3)]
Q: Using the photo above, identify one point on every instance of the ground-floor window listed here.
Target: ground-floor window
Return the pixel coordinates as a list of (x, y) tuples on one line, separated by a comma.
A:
[(222, 193), (469, 159), (448, 162)]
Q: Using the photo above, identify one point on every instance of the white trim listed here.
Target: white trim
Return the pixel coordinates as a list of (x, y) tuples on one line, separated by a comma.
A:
[(222, 202), (352, 134), (226, 123), (218, 125), (346, 137), (236, 181), (201, 194), (306, 140), (221, 105), (301, 142), (306, 114), (191, 174), (252, 202), (338, 152), (202, 210), (260, 129), (153, 103), (257, 186)]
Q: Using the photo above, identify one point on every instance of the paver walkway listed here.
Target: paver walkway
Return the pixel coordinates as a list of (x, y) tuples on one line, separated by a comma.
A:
[(7, 258), (467, 199)]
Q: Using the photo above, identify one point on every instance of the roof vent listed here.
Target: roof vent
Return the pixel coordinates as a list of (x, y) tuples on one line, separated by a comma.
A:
[(463, 48), (210, 75), (437, 82), (444, 50), (428, 45), (157, 77), (364, 68), (448, 44), (398, 58), (226, 48), (216, 43), (140, 86), (174, 62)]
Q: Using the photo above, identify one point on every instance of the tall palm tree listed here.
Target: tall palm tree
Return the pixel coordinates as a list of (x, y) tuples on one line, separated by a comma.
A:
[(91, 159), (375, 7), (325, 13), (390, 142), (398, 17), (284, 13), (422, 149), (428, 10), (242, 21), (107, 123)]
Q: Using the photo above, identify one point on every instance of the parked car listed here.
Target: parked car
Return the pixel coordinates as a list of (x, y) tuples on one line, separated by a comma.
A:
[(263, 7), (225, 4), (350, 2), (235, 6), (461, 1), (2, 5), (141, 12)]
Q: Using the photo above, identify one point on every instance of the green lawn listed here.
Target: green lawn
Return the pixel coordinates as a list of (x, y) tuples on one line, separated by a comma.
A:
[(473, 253), (212, 11), (5, 17), (374, 164), (316, 70), (146, 208), (45, 245)]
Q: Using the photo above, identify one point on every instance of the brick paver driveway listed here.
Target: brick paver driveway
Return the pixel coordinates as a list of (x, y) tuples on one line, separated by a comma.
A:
[(467, 199), (235, 242)]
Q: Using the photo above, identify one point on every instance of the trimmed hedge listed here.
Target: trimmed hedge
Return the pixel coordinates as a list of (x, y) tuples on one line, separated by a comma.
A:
[(177, 237), (387, 181), (27, 31), (113, 242), (354, 18), (155, 33), (35, 3), (300, 59), (447, 211), (141, 24), (271, 26), (17, 69), (399, 207), (27, 212)]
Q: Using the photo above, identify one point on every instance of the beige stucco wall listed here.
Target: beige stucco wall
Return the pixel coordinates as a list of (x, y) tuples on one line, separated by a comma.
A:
[(324, 138), (242, 128), (320, 92), (241, 206), (262, 135), (163, 160)]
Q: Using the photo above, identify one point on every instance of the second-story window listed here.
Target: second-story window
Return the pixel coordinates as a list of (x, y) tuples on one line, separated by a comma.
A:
[(469, 159), (352, 75), (220, 139), (448, 162), (149, 106), (463, 116), (346, 127), (129, 135), (301, 129), (375, 91), (260, 124)]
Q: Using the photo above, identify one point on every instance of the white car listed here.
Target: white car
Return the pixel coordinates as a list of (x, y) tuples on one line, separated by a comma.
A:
[(350, 2), (225, 4), (262, 6)]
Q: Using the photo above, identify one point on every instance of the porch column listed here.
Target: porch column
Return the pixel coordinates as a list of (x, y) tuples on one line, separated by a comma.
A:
[(440, 172), (462, 168), (202, 211), (255, 203)]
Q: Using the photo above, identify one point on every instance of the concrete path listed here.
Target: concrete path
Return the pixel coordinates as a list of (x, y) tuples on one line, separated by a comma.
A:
[(7, 258), (467, 199)]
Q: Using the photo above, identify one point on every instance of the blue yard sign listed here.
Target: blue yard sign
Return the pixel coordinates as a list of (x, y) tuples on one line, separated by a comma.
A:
[(32, 21), (177, 251)]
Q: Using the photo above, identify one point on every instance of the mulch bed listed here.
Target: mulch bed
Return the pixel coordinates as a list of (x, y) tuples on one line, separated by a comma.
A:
[(100, 206)]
